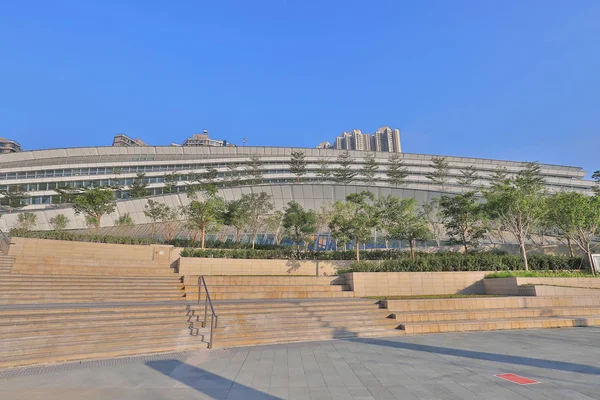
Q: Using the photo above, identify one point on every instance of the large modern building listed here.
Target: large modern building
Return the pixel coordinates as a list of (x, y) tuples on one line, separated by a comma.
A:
[(39, 173), (9, 146), (384, 139)]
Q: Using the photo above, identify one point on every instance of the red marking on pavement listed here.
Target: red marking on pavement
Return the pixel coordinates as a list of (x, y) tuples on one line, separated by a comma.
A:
[(517, 379)]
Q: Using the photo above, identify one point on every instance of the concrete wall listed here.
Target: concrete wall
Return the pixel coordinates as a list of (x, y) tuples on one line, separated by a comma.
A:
[(414, 283), (510, 286), (229, 266), (41, 256)]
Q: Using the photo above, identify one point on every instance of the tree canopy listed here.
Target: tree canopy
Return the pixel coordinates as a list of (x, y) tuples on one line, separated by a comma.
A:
[(94, 203)]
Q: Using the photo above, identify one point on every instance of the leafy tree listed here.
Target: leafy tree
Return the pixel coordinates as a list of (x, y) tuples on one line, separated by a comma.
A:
[(170, 223), (370, 168), (125, 220), (171, 183), (93, 204), (517, 203), (66, 194), (155, 212), (274, 224), (236, 216), (298, 164), (402, 221), (139, 186), (258, 206), (233, 175), (59, 222), (344, 174), (323, 171), (440, 173), (255, 169), (467, 176), (596, 178), (355, 218), (204, 216), (299, 224), (397, 171), (432, 214), (27, 220), (578, 218), (13, 197), (464, 219)]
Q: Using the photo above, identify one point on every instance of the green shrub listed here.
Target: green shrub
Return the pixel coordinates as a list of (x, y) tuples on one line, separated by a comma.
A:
[(79, 237), (541, 274)]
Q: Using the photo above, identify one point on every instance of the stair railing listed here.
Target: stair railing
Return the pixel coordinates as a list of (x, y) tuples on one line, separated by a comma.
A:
[(4, 242), (214, 318)]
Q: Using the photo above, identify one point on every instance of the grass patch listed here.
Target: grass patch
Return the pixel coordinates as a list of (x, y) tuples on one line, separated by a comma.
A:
[(540, 274), (433, 296)]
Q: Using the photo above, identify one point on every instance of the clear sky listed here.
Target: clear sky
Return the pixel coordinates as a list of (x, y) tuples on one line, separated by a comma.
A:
[(515, 80)]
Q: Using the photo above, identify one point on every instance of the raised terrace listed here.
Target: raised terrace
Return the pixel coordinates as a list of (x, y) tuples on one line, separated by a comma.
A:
[(63, 301)]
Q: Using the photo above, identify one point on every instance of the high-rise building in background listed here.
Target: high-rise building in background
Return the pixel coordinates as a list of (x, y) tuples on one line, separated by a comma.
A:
[(324, 145), (9, 146), (202, 139), (122, 140), (384, 139)]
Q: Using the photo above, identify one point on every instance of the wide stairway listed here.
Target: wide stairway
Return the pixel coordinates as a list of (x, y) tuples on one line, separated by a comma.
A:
[(6, 264), (495, 313), (255, 310)]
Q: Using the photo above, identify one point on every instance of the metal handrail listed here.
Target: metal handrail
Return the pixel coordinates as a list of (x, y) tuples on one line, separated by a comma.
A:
[(214, 318), (5, 242)]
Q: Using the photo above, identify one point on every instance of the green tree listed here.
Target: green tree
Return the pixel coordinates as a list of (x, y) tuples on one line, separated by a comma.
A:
[(233, 175), (298, 164), (13, 197), (155, 212), (27, 221), (255, 169), (139, 186), (59, 222), (93, 204), (258, 206), (517, 203), (343, 173), (370, 168), (170, 223), (323, 171), (440, 172), (171, 183), (274, 224), (432, 214), (299, 224), (125, 220), (237, 217), (464, 219), (596, 178), (578, 218), (467, 176), (402, 220), (397, 171), (204, 216), (355, 218)]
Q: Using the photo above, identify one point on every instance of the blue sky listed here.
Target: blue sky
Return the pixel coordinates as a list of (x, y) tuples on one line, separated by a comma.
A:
[(494, 79)]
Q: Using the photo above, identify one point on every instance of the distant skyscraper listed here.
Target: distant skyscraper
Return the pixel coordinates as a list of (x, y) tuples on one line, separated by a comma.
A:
[(324, 145), (122, 140), (385, 139), (202, 139)]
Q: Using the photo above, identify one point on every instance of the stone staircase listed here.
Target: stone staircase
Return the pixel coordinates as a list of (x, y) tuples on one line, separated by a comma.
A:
[(268, 287), (37, 335), (6, 264), (55, 289), (494, 313), (254, 322)]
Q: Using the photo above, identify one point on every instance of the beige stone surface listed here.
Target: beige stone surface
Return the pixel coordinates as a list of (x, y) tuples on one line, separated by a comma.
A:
[(414, 283), (230, 266)]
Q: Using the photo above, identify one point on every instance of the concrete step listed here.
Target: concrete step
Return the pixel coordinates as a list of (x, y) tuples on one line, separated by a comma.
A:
[(30, 300), (500, 324), (273, 295), (92, 278), (269, 288), (241, 280), (115, 349), (300, 325), (322, 335), (419, 316)]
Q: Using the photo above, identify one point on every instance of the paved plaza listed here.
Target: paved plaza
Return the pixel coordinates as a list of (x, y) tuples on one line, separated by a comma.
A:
[(565, 362)]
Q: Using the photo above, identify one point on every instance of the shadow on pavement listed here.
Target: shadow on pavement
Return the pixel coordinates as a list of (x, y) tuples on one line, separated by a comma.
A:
[(215, 386), (494, 357)]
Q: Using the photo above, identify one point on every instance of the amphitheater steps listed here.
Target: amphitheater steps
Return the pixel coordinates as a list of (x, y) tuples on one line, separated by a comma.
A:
[(6, 264), (244, 323), (501, 313)]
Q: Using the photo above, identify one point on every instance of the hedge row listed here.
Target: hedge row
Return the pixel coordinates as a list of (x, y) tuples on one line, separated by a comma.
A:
[(440, 262), (79, 237)]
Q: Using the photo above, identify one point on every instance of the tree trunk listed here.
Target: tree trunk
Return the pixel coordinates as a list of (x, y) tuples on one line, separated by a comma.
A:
[(570, 247), (203, 236), (253, 239), (387, 244), (412, 248), (153, 227), (524, 254), (590, 259), (357, 250)]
